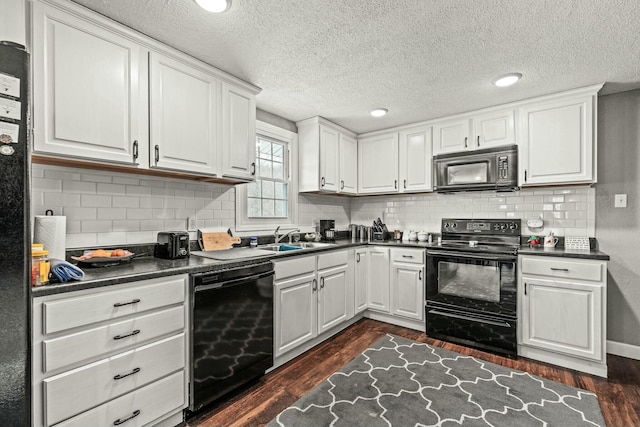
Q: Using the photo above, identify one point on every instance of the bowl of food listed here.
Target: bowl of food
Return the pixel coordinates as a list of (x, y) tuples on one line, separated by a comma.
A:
[(103, 257)]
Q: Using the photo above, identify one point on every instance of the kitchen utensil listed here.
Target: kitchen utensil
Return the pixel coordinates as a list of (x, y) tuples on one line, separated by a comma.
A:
[(218, 241), (413, 235), (422, 236), (550, 241)]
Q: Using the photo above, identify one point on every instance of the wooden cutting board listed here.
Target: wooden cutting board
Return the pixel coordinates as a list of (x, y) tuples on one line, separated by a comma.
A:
[(218, 241)]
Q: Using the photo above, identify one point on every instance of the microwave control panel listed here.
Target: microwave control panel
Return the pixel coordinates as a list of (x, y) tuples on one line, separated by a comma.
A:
[(503, 167)]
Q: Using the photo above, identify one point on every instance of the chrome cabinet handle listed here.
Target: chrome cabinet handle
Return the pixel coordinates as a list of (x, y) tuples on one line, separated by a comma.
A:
[(314, 287), (135, 150), (465, 142), (122, 304), (420, 275), (124, 420), (357, 257), (405, 184), (525, 175), (322, 181), (407, 256), (559, 269), (119, 377), (253, 168), (342, 185), (478, 140), (119, 337), (525, 288), (157, 150), (395, 184), (322, 283)]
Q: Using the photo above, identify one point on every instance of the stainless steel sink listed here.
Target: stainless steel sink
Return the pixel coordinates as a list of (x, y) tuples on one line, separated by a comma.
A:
[(311, 245)]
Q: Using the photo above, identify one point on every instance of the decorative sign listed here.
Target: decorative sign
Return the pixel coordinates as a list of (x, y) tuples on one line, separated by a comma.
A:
[(576, 243), (9, 133), (9, 109), (9, 85)]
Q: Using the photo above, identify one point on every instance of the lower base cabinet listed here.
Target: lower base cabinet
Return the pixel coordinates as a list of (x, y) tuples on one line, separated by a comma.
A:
[(313, 294), (378, 295), (113, 355), (407, 283), (563, 312)]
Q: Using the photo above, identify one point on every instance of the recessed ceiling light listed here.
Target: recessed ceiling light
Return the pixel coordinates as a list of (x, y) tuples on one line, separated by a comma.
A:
[(215, 6), (507, 79), (379, 112)]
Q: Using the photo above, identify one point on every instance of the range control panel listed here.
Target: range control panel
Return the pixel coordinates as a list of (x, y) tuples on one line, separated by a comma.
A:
[(482, 226)]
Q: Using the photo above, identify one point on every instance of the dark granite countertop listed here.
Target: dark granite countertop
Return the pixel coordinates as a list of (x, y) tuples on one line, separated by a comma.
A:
[(149, 267)]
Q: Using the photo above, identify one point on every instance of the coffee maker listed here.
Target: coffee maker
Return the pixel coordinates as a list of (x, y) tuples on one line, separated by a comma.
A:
[(328, 229)]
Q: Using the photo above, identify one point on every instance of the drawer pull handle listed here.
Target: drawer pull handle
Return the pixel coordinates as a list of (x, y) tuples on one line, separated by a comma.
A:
[(124, 420), (119, 337), (407, 256), (559, 269), (122, 304), (119, 377)]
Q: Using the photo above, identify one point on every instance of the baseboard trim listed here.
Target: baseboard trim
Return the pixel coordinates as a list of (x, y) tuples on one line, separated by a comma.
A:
[(623, 349)]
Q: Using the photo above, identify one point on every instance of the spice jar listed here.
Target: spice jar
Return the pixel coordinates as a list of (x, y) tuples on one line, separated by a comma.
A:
[(40, 266)]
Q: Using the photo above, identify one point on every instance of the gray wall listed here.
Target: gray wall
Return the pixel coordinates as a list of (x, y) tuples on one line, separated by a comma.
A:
[(618, 229)]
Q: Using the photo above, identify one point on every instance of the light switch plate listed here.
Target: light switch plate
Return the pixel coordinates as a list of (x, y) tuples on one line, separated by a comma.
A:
[(620, 201)]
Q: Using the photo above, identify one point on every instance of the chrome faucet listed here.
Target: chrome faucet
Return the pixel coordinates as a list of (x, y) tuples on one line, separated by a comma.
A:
[(278, 238)]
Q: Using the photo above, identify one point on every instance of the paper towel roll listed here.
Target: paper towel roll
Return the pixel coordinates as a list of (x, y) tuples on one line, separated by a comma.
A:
[(51, 231)]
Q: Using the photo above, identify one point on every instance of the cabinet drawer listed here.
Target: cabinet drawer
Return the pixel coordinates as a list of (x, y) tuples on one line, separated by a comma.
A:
[(150, 402), (566, 269), (112, 304), (332, 259), (412, 256), (91, 344), (75, 391), (295, 267)]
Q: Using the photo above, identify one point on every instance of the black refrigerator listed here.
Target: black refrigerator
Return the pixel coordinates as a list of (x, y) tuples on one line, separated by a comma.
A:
[(15, 236)]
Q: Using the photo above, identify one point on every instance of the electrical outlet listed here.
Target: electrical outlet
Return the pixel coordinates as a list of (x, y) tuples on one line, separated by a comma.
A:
[(620, 201), (191, 223)]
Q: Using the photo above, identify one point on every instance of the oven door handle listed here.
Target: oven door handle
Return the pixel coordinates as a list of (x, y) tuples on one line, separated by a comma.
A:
[(472, 255), (472, 319), (234, 282)]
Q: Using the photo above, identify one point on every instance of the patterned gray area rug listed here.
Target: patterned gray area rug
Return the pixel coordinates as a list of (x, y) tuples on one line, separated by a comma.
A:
[(399, 382)]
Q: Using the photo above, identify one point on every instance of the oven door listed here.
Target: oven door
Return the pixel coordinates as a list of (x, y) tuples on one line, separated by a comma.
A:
[(475, 282)]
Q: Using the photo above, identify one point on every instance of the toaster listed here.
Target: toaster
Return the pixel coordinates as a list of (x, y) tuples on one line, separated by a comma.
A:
[(172, 245)]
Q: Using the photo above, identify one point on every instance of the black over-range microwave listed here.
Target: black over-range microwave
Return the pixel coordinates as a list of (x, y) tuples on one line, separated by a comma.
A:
[(487, 169)]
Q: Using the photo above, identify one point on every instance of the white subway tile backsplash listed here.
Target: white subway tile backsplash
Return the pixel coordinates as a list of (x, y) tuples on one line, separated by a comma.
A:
[(81, 240), (125, 180), (137, 190), (61, 199), (151, 202), (95, 178), (48, 185), (112, 189), (91, 201), (141, 237), (112, 238), (79, 187), (139, 213), (151, 225), (80, 213), (112, 213), (96, 226), (126, 225), (125, 202)]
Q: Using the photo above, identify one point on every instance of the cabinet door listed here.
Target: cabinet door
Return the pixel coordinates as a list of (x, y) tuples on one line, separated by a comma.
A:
[(184, 116), (378, 164), (565, 317), (332, 298), (329, 159), (557, 142), (407, 295), (451, 136), (493, 129), (89, 89), (362, 268), (416, 160), (238, 133), (296, 312), (378, 280), (348, 165)]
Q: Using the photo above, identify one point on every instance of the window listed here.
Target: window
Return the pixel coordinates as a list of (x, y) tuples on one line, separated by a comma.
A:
[(267, 196), (271, 200)]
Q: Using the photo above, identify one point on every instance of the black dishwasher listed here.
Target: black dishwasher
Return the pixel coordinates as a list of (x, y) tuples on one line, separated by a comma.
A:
[(232, 330)]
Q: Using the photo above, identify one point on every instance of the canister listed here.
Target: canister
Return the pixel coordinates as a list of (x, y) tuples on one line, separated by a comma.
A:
[(40, 266)]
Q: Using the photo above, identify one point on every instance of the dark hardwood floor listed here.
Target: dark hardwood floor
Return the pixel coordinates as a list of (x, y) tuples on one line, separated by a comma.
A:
[(619, 395)]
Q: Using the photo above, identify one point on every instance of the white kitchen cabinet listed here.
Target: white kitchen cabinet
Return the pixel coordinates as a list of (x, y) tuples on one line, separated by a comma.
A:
[(348, 164), (558, 140), (563, 312), (450, 136), (378, 164), (313, 295), (238, 133), (407, 283), (89, 90), (378, 279), (326, 155), (111, 351), (361, 279), (184, 116), (494, 128), (416, 159)]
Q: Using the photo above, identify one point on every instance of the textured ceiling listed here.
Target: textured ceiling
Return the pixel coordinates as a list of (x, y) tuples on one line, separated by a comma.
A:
[(421, 59)]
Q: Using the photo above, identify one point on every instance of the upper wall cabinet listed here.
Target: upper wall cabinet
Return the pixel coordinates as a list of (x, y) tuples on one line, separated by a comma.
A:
[(327, 157), (415, 159), (90, 89), (474, 132), (104, 93), (378, 164), (558, 140), (182, 95)]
